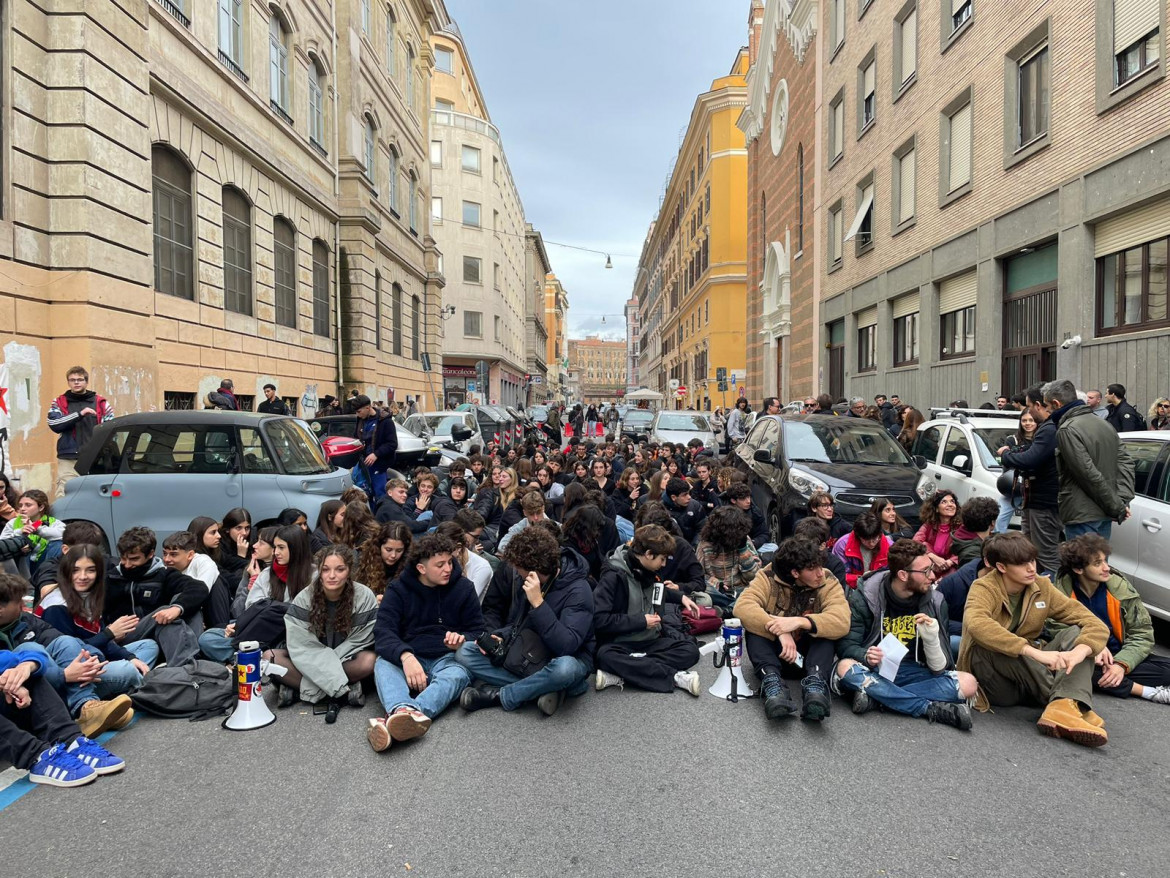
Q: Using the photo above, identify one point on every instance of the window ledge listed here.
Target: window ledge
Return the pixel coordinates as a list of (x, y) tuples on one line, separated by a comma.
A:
[(835, 159), (835, 266), (902, 367), (1028, 150), (862, 249), (836, 51), (904, 226), (905, 86), (952, 197), (1153, 74), (956, 34), (957, 359), (865, 129)]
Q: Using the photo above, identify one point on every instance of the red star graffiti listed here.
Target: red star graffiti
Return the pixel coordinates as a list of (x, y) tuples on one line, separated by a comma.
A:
[(3, 402)]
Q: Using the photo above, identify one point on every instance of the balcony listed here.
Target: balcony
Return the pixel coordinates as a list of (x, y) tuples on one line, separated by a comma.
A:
[(466, 122), (175, 12), (231, 65), (280, 111)]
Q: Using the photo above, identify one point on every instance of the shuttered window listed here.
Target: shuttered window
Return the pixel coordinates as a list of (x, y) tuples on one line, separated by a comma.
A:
[(868, 317), (906, 178), (1133, 228), (904, 305), (957, 292), (285, 259), (237, 252), (1133, 20), (838, 136), (909, 45), (960, 155), (868, 103)]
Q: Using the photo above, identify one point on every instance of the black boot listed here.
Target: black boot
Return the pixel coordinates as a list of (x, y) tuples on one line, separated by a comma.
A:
[(332, 711), (777, 699), (479, 696), (815, 704)]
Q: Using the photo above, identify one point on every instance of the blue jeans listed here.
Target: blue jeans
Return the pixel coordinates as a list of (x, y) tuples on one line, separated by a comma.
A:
[(119, 677), (446, 678), (565, 672), (1104, 527), (1006, 511), (216, 645), (912, 690), (51, 556)]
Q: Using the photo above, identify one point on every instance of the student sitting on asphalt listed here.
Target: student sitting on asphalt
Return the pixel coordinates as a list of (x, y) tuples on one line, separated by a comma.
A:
[(688, 514), (725, 551), (704, 489), (330, 635), (815, 529), (425, 616), (394, 507), (1126, 666), (541, 632), (739, 495), (793, 614), (955, 586), (638, 643), (36, 732), (901, 602), (864, 549), (1005, 614), (979, 515), (683, 570)]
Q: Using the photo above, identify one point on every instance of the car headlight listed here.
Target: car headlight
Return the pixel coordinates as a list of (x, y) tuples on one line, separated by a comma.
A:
[(805, 484), (926, 487)]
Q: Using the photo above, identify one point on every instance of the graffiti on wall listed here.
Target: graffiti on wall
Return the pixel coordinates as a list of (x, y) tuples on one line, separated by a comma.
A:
[(20, 390)]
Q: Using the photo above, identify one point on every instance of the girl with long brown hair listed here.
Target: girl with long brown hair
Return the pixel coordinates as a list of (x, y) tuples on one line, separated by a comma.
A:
[(383, 557)]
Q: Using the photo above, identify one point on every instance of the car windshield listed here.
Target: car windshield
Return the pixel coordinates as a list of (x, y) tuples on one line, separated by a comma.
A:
[(988, 440), (836, 440), (538, 411), (436, 425), (296, 447), (688, 423), (639, 417)]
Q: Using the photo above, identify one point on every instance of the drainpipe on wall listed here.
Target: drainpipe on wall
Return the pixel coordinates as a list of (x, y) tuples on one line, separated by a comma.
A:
[(336, 198)]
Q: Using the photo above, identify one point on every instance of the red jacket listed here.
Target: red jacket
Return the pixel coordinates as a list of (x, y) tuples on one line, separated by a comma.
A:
[(854, 564)]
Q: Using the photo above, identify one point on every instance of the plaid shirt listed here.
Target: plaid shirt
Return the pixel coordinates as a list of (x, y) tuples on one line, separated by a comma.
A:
[(727, 572)]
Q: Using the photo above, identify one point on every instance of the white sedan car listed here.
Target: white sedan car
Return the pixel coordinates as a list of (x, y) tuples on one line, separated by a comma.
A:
[(960, 453), (1141, 545)]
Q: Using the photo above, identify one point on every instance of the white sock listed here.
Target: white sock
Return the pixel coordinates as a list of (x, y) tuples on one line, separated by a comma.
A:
[(1148, 692)]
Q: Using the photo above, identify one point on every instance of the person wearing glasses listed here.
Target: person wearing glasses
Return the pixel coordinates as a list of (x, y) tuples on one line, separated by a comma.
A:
[(901, 601), (857, 407), (72, 416), (1159, 418), (771, 406), (820, 505)]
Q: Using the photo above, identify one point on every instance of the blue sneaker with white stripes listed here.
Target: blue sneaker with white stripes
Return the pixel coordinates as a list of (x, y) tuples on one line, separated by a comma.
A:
[(59, 768), (96, 756)]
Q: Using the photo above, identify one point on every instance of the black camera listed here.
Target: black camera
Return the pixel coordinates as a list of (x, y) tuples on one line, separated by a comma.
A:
[(495, 648)]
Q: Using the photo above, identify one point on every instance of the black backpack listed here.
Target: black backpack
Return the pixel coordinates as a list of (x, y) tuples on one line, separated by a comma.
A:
[(195, 690)]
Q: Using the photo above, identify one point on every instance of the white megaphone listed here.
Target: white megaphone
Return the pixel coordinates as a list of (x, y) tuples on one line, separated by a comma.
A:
[(731, 685), (251, 712)]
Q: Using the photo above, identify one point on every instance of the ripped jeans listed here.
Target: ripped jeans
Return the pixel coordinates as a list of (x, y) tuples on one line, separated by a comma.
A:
[(912, 690)]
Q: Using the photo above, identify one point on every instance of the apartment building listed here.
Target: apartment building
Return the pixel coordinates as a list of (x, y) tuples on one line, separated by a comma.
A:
[(556, 320), (598, 369), (993, 197), (536, 269)]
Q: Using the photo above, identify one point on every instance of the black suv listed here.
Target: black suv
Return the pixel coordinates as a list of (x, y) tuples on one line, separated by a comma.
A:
[(789, 457)]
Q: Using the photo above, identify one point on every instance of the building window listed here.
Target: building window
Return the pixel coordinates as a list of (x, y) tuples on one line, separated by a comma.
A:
[(799, 199), (473, 324), (472, 270), (1131, 289), (415, 326), (956, 139), (377, 313), (837, 127), (436, 210), (367, 12), (471, 214), (836, 25), (905, 48), (904, 183), (470, 159), (444, 60), (391, 41), (906, 340), (1026, 94), (496, 275), (866, 92), (1134, 60), (436, 153), (316, 105), (284, 244), (496, 324), (861, 229), (237, 252), (231, 32), (173, 253), (836, 228), (368, 141), (395, 173), (960, 13), (867, 348), (277, 63), (1130, 47), (320, 289), (958, 332), (410, 96), (396, 316), (414, 196)]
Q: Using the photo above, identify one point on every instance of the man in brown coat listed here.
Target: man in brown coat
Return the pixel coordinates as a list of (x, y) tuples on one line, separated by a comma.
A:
[(1005, 613), (793, 613)]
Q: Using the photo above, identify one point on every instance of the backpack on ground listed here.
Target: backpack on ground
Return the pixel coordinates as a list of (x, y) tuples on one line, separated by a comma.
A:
[(195, 690), (708, 622)]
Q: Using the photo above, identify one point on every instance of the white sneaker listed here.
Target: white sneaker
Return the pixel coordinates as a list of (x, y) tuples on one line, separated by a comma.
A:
[(688, 681), (1161, 695), (605, 679)]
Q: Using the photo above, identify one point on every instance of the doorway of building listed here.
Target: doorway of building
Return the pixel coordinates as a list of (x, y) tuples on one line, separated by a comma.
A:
[(837, 359), (1029, 319)]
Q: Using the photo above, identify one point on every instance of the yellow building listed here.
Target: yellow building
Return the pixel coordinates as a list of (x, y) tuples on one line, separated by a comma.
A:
[(600, 367), (693, 304), (556, 311)]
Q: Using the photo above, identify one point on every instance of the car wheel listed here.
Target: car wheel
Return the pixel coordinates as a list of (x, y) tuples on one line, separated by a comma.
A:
[(774, 524)]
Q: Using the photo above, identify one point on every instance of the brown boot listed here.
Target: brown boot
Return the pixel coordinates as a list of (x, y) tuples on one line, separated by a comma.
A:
[(1062, 719), (1091, 718), (101, 716)]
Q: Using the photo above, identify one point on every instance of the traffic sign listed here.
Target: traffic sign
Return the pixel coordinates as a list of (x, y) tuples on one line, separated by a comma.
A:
[(721, 373)]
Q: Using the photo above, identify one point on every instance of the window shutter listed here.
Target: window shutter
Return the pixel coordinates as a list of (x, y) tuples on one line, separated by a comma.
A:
[(1132, 20), (905, 306), (869, 75), (909, 45), (838, 127), (956, 293), (1146, 223), (839, 11), (906, 187), (956, 5), (960, 159), (868, 317)]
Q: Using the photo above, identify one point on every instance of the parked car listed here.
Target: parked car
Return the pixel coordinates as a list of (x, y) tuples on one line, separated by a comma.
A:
[(538, 413), (680, 427), (412, 451), (959, 448), (635, 424), (162, 469), (441, 428), (1141, 545), (786, 458)]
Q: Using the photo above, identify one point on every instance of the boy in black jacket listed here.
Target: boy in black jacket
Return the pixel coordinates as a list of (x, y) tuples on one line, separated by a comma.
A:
[(687, 513), (165, 602), (425, 616), (555, 604)]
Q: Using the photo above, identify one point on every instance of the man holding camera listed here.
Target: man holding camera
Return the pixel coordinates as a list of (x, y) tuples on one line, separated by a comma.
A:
[(539, 640)]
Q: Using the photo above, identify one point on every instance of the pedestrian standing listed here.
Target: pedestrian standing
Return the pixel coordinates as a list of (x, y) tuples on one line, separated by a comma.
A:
[(72, 416), (1122, 416), (224, 399), (273, 404)]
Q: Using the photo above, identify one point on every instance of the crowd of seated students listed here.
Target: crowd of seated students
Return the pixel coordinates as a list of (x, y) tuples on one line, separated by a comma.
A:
[(528, 573)]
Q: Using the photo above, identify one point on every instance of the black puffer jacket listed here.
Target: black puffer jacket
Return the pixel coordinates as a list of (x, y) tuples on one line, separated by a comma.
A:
[(1037, 463)]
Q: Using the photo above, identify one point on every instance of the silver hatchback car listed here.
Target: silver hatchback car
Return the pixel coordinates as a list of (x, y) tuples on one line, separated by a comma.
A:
[(680, 427), (162, 469)]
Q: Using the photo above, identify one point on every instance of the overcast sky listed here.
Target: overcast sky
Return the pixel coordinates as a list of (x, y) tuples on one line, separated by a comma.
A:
[(592, 98)]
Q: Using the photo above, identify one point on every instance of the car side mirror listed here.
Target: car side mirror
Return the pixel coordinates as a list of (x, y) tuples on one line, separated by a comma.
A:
[(762, 455), (960, 462), (460, 434), (920, 461)]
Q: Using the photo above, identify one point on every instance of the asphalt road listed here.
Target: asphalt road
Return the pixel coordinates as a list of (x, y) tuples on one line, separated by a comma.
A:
[(617, 783)]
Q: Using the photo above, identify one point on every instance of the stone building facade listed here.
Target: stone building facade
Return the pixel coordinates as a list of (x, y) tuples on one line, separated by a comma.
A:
[(536, 269), (556, 321), (600, 369)]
